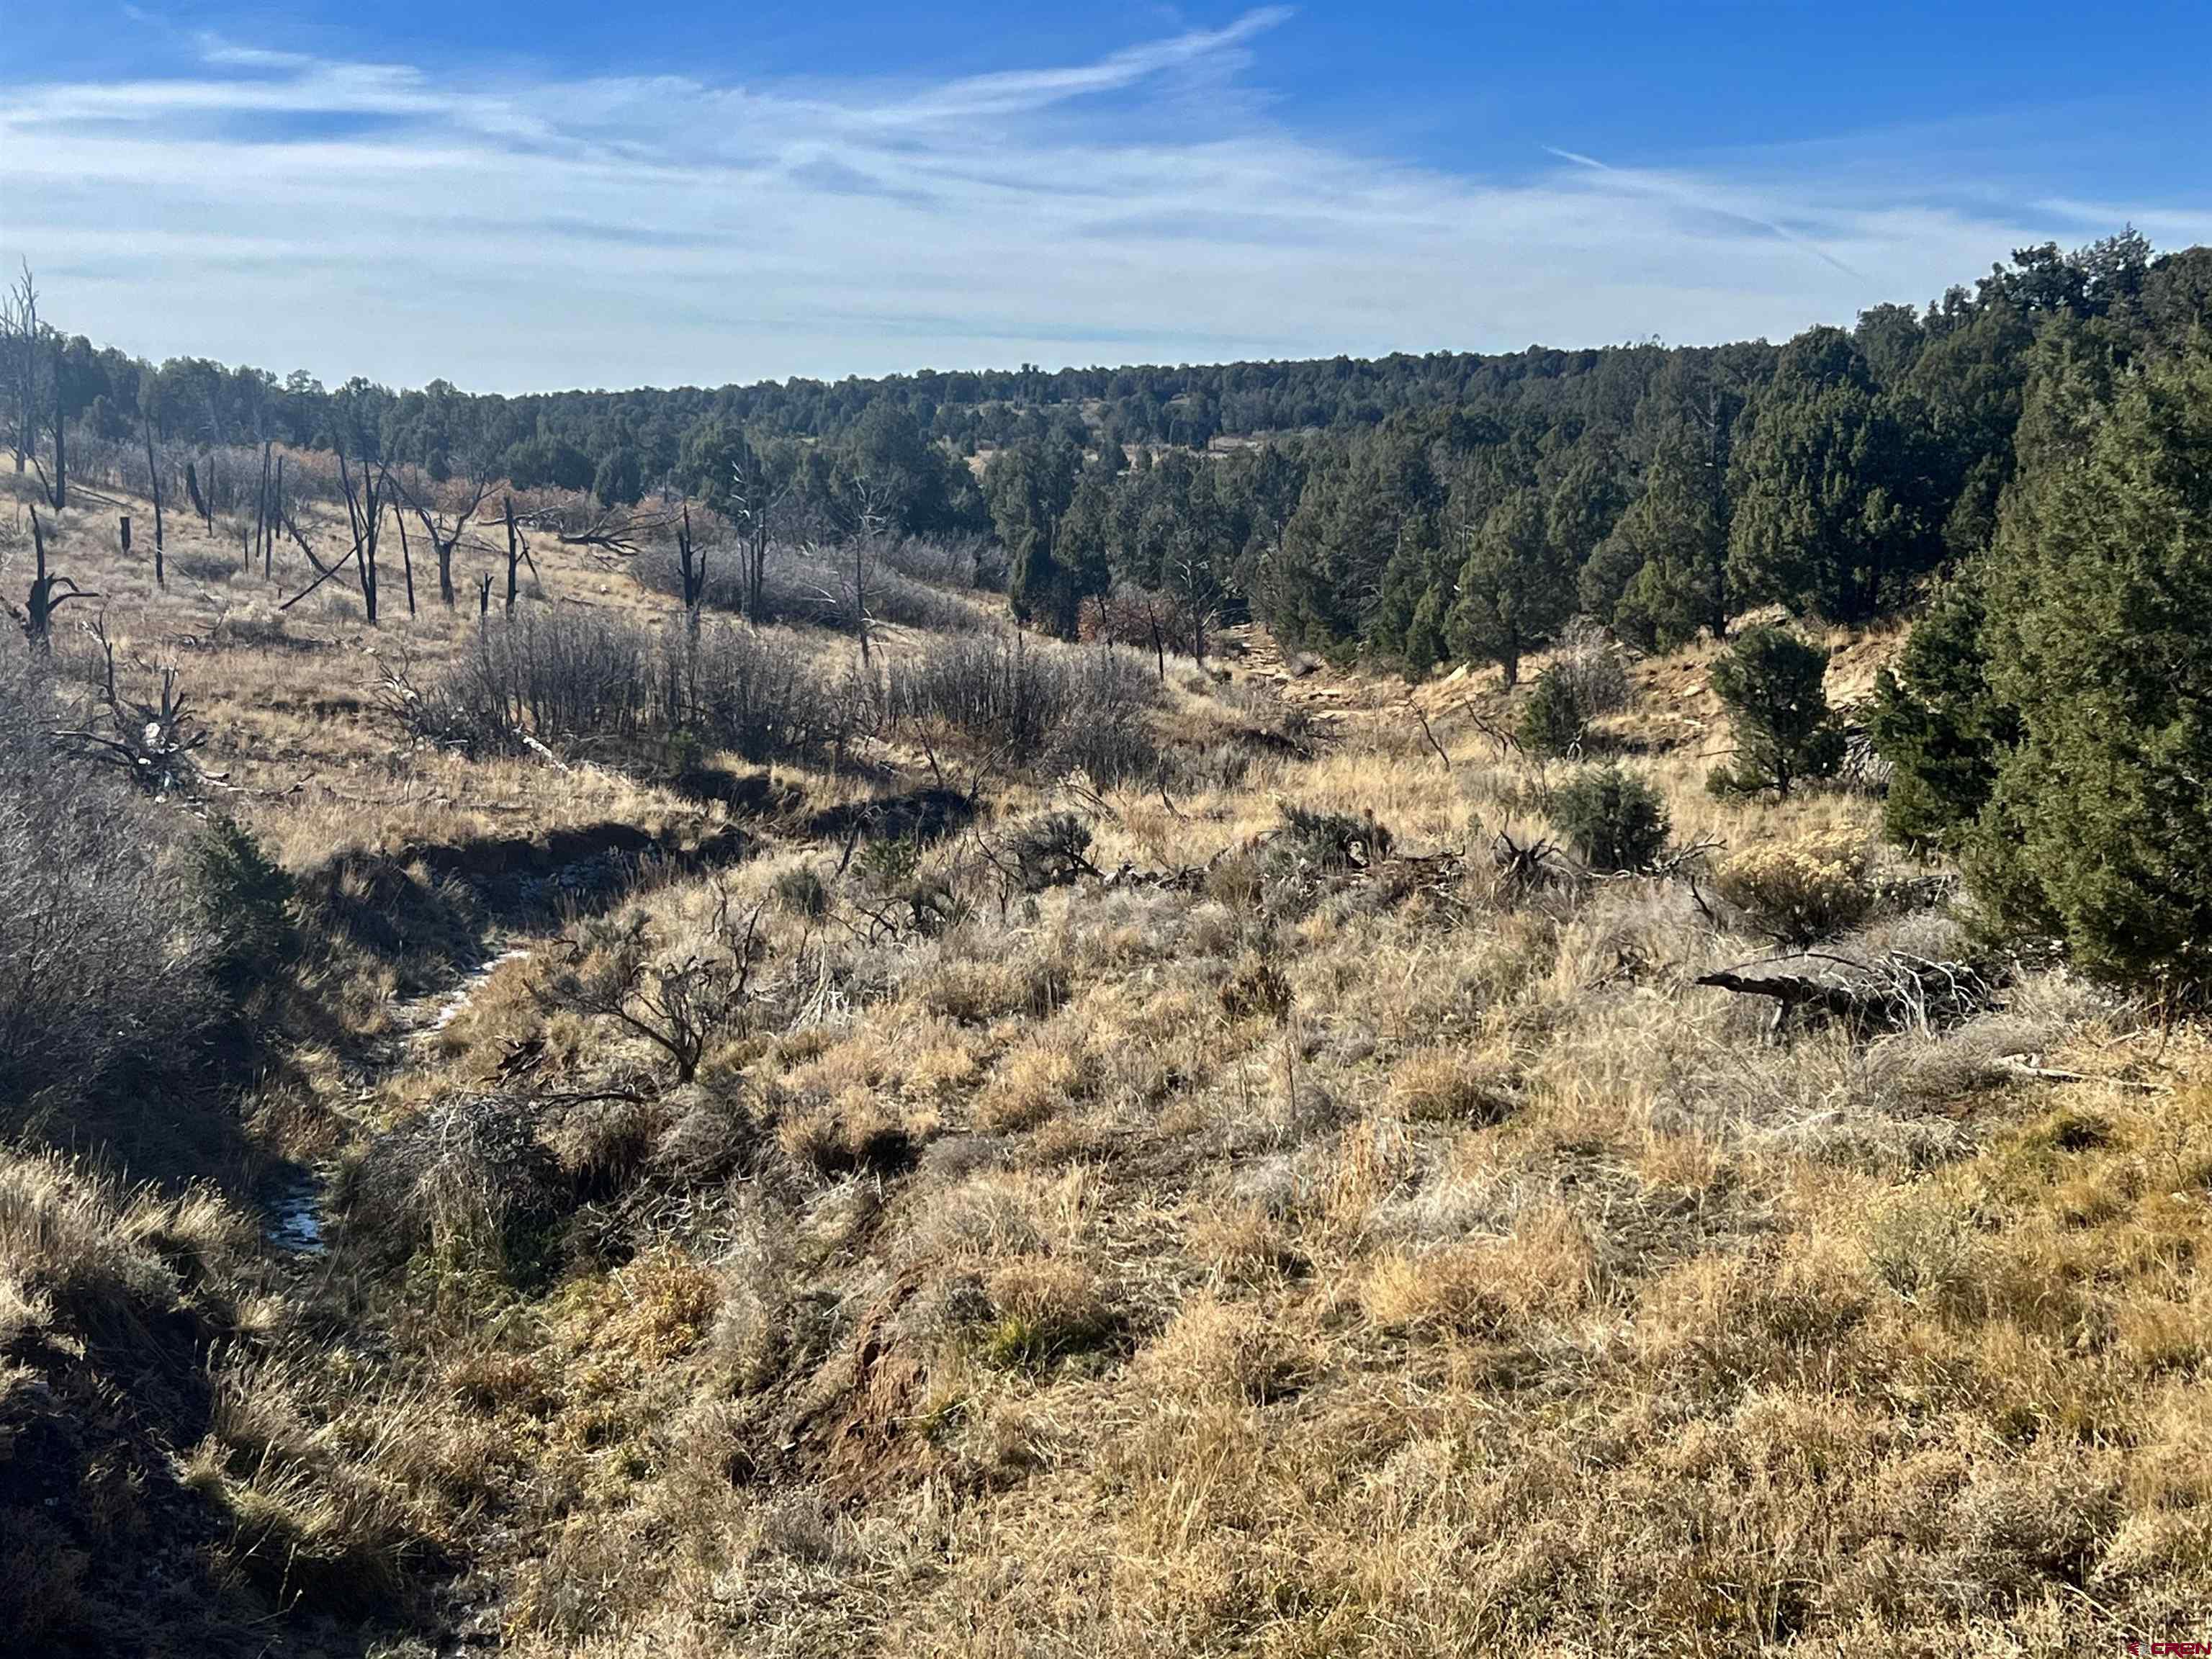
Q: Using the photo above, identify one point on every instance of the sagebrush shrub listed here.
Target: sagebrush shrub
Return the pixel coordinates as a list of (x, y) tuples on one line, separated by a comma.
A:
[(1331, 841), (1612, 818), (105, 982), (801, 892), (1592, 668), (1919, 1246), (1803, 890), (818, 585), (468, 1176), (890, 865)]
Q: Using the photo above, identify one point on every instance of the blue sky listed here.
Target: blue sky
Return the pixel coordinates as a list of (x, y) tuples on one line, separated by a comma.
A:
[(523, 196)]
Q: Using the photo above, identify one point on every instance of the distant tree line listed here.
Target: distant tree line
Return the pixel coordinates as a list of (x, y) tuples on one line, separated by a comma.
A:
[(1412, 510)]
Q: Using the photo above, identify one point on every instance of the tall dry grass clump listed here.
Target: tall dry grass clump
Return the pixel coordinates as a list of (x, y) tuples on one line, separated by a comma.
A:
[(1029, 704)]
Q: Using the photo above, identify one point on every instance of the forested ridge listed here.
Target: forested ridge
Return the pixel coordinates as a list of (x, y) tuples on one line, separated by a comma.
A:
[(1414, 510)]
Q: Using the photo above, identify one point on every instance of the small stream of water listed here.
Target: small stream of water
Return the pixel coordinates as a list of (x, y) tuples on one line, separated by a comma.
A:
[(296, 1217)]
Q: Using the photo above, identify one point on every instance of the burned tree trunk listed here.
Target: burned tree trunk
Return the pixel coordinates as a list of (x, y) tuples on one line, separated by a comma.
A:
[(406, 557), (49, 593), (153, 476), (363, 511), (61, 441), (150, 742), (754, 501), (515, 553), (260, 542), (442, 541), (21, 319), (276, 516), (691, 563)]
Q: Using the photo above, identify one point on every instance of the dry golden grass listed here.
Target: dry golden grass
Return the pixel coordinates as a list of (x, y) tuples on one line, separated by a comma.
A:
[(1267, 1262)]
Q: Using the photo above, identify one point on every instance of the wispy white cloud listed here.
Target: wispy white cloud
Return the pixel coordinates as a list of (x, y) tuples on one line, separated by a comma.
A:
[(1702, 198), (367, 217)]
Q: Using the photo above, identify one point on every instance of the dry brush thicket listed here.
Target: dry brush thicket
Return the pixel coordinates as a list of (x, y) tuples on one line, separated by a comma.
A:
[(1065, 1159)]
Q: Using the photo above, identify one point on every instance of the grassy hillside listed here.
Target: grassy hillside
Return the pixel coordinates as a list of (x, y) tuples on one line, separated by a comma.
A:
[(1047, 1155)]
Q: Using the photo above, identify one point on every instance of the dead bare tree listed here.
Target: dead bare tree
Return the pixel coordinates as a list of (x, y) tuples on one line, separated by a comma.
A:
[(1528, 867), (61, 438), (874, 527), (291, 527), (1160, 635), (364, 513), (259, 544), (324, 573), (755, 497), (692, 566), (49, 593), (614, 970), (445, 539), (20, 311), (518, 552), (1892, 990), (406, 557), (154, 477), (150, 742), (276, 515), (1429, 732), (612, 531), (1198, 587), (19, 320)]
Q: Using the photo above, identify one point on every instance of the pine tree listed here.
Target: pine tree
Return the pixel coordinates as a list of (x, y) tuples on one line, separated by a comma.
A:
[(1512, 590), (1407, 619), (1771, 682), (1937, 722), (1583, 507), (1614, 819), (1676, 535), (1029, 487), (1552, 721), (1358, 508)]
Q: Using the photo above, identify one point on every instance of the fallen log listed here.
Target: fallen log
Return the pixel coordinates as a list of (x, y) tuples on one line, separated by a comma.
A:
[(1896, 990), (1793, 989)]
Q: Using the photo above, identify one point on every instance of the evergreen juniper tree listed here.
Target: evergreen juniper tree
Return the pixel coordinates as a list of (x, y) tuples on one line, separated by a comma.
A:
[(1771, 682), (2100, 824), (1512, 591), (1676, 537), (1937, 722), (1829, 488)]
